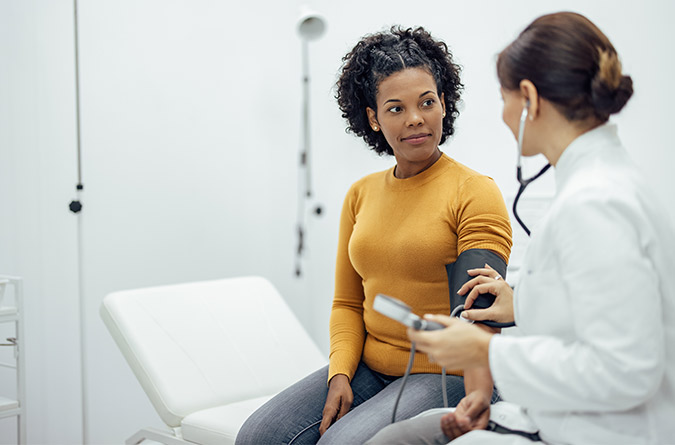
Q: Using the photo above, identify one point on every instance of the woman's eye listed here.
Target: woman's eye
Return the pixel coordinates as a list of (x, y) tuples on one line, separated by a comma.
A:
[(428, 102), (395, 109)]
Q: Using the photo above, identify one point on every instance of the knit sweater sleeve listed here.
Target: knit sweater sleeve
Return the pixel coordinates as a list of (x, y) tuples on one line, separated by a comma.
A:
[(347, 330), (483, 221)]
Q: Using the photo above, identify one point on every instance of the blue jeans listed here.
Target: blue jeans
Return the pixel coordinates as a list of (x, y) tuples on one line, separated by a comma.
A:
[(294, 415)]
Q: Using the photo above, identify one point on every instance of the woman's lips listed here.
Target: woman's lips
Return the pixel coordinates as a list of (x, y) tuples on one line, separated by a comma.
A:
[(416, 139)]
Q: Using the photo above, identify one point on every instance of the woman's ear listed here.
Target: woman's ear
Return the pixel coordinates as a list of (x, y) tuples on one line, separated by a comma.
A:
[(372, 119), (530, 98)]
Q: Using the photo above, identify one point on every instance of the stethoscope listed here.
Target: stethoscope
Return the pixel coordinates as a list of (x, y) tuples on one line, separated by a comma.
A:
[(519, 171)]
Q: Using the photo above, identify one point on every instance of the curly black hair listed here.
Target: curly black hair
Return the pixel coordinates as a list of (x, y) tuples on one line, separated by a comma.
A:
[(379, 55)]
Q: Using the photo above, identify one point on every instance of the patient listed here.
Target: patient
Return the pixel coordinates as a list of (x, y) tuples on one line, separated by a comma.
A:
[(399, 91), (596, 301)]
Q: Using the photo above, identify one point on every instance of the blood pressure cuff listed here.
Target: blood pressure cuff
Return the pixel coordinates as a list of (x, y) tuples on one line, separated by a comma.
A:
[(457, 276)]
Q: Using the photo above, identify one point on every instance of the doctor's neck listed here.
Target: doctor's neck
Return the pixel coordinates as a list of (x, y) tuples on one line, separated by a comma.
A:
[(558, 132)]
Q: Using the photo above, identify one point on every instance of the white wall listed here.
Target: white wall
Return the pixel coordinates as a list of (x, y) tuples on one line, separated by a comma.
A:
[(190, 135)]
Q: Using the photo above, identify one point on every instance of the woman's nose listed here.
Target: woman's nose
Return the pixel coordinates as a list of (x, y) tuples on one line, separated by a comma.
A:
[(414, 119)]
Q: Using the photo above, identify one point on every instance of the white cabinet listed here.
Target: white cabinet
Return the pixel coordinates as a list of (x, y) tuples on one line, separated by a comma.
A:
[(11, 311)]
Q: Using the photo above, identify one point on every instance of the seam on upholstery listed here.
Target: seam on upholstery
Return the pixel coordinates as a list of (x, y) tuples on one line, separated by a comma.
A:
[(178, 344)]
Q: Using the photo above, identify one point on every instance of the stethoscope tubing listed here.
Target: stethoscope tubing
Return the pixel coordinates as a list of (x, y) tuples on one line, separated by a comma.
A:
[(519, 172)]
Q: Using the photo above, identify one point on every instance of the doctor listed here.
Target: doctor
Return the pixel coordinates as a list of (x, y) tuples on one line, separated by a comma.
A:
[(596, 300)]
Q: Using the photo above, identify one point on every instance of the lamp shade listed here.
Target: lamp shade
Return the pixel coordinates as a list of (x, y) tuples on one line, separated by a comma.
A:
[(311, 24)]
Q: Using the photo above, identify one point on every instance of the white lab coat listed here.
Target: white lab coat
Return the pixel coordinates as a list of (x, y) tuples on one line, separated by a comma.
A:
[(595, 305)]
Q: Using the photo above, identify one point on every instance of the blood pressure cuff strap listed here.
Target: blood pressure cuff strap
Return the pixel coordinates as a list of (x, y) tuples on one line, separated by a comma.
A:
[(457, 276)]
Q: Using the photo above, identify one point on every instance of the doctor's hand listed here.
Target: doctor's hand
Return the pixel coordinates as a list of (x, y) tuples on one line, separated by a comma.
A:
[(338, 401), (471, 413), (488, 280), (460, 345)]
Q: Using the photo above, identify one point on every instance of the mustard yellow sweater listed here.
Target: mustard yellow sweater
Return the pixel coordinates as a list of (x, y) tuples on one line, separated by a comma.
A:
[(396, 236)]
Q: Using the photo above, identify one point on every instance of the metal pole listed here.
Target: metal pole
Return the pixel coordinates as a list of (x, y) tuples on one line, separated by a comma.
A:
[(21, 360), (77, 97), (306, 146), (304, 186), (83, 333), (76, 207)]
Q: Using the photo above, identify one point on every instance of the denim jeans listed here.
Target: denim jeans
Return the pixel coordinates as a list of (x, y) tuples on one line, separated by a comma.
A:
[(294, 415)]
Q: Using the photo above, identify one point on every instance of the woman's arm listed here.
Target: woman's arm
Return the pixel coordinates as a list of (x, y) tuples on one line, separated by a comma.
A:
[(347, 330), (481, 217), (338, 401)]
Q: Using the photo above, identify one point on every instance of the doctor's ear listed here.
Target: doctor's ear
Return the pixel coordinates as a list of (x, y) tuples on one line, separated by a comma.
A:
[(531, 96)]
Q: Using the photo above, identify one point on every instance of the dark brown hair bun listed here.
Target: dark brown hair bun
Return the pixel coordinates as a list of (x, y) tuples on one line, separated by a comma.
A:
[(572, 64)]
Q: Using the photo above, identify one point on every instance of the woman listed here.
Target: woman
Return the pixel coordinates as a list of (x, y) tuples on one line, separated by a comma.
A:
[(595, 304), (399, 228)]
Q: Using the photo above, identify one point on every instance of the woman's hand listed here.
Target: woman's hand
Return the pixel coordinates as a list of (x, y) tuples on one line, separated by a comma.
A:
[(338, 401), (461, 345), (472, 413), (488, 280)]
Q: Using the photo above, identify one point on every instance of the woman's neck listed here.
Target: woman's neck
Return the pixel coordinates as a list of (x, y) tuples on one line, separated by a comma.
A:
[(561, 134), (405, 170)]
